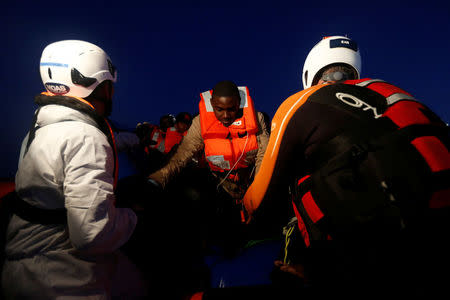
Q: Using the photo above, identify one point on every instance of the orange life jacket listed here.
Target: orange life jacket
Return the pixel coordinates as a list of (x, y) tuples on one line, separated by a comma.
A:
[(173, 137), (157, 136), (225, 147)]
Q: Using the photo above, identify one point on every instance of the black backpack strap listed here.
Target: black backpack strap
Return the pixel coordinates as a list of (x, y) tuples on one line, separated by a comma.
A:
[(32, 131), (35, 214)]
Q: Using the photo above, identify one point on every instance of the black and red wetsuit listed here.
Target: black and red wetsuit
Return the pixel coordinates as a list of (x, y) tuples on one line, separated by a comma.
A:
[(358, 151)]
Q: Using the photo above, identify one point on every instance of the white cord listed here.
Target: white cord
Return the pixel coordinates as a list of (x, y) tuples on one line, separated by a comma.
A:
[(242, 154)]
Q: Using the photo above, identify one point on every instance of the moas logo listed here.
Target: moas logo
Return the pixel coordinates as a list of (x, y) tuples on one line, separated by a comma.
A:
[(358, 103), (57, 88)]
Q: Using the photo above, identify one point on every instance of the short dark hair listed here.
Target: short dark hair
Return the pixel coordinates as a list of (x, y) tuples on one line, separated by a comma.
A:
[(166, 121), (184, 117), (226, 88), (344, 68)]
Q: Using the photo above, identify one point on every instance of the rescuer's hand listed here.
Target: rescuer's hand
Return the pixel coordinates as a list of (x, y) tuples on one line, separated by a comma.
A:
[(297, 270)]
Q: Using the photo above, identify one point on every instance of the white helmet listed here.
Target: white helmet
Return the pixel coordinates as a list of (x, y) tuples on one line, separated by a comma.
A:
[(330, 50), (75, 68)]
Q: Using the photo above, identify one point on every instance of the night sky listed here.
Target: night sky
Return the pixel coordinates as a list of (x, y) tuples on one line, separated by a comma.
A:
[(168, 52)]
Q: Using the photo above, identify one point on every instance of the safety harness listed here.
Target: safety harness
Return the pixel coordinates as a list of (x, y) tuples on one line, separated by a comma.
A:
[(378, 176)]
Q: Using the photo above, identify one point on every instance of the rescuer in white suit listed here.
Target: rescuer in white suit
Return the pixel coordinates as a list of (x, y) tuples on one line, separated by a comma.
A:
[(65, 230)]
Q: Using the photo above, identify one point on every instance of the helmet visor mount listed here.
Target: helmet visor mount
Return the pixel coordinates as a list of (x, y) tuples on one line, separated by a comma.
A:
[(335, 76), (335, 72), (80, 79)]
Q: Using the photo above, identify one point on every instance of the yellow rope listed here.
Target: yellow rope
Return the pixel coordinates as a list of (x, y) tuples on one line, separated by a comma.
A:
[(286, 245)]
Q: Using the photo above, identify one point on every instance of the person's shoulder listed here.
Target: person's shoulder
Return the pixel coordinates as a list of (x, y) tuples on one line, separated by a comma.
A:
[(195, 122), (194, 131), (80, 131), (302, 95)]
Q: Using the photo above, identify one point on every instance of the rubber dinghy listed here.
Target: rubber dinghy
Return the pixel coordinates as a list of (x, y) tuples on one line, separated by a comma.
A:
[(252, 266)]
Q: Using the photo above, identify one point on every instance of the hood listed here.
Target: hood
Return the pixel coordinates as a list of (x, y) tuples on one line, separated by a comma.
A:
[(54, 113), (53, 109)]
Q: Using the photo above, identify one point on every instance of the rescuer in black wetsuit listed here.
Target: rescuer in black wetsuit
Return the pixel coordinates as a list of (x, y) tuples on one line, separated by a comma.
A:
[(368, 167)]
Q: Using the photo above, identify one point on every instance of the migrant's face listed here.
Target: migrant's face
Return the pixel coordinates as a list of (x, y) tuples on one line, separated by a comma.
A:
[(226, 109)]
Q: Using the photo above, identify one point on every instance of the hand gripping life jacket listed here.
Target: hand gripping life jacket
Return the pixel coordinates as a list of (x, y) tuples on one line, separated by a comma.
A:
[(225, 147), (380, 176)]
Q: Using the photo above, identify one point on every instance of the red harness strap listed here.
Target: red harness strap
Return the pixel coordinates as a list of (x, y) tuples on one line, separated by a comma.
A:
[(406, 113)]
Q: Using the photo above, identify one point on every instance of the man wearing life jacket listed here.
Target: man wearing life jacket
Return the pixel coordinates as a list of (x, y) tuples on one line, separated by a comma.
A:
[(370, 166), (233, 137), (65, 231)]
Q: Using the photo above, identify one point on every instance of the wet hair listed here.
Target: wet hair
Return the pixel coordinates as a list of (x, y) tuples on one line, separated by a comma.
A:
[(348, 70), (226, 88)]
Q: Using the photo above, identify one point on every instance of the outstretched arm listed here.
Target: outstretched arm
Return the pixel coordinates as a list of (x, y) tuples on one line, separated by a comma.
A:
[(190, 145)]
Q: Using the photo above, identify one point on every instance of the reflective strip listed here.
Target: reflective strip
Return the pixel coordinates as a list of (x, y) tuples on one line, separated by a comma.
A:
[(242, 93), (53, 64), (207, 98), (399, 96), (161, 146), (155, 136), (367, 82)]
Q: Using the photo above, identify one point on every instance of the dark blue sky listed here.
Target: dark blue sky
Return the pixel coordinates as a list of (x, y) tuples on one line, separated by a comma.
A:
[(166, 54)]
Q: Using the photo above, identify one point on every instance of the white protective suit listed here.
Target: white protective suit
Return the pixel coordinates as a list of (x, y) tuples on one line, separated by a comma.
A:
[(69, 164)]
